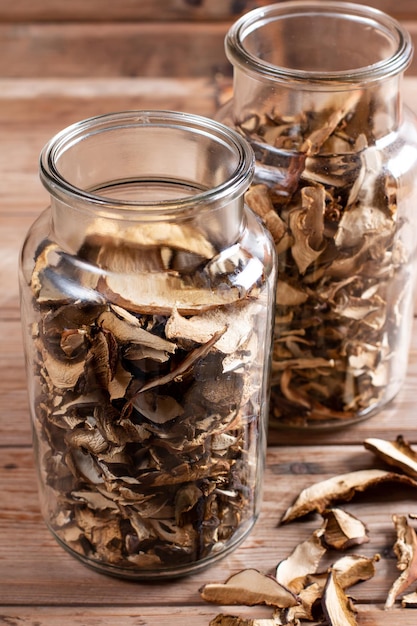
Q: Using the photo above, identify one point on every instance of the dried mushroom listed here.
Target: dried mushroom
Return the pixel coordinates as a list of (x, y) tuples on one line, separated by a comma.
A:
[(249, 587), (409, 601), (337, 607), (320, 495), (405, 548), (304, 560), (354, 568), (343, 530), (147, 383), (397, 453), (331, 206)]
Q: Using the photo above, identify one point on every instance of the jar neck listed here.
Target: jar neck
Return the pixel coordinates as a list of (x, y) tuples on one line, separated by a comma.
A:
[(375, 108), (77, 231), (304, 58), (124, 176)]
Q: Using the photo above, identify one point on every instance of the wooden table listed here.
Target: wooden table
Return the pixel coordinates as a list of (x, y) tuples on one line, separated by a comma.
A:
[(39, 583)]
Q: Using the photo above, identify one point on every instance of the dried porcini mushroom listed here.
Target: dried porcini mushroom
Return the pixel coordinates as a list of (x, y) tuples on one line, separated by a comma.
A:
[(409, 600), (331, 207), (320, 495), (337, 607), (397, 453), (146, 343), (343, 530), (405, 548), (304, 560), (249, 587), (354, 568)]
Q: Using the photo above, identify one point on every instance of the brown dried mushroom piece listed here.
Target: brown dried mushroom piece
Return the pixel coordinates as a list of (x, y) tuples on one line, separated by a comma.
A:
[(343, 530), (155, 235), (249, 587), (409, 601), (405, 549), (320, 495), (304, 560), (349, 570), (354, 568), (337, 607), (397, 453)]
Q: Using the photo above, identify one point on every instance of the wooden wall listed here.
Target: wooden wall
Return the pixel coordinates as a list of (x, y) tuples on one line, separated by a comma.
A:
[(128, 38)]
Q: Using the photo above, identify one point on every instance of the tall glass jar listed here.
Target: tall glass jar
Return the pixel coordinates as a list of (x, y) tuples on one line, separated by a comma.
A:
[(147, 292), (317, 95)]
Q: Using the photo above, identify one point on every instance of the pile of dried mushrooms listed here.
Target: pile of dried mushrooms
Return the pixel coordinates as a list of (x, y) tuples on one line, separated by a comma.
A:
[(148, 378), (329, 201), (301, 590)]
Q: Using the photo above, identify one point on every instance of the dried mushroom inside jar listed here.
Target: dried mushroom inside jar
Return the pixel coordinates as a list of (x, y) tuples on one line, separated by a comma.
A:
[(325, 190), (149, 370)]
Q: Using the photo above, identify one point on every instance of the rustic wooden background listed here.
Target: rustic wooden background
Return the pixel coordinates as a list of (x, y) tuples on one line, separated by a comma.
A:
[(146, 38)]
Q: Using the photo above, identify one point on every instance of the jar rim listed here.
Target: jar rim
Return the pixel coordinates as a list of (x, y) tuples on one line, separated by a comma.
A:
[(234, 186), (392, 65)]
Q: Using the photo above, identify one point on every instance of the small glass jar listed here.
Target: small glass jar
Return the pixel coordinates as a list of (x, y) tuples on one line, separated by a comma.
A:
[(317, 95), (147, 291)]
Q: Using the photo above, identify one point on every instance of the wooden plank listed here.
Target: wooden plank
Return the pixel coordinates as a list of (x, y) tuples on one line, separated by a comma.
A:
[(108, 10), (157, 10), (162, 616), (146, 49), (40, 108), (27, 547), (105, 49)]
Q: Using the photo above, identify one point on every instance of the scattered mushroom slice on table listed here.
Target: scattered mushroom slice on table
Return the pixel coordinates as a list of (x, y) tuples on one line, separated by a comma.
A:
[(320, 495)]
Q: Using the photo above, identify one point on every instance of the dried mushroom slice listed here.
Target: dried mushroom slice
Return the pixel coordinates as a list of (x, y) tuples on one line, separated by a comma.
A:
[(321, 494), (354, 568), (397, 453), (200, 328), (337, 607), (310, 604), (160, 293), (249, 587), (167, 234), (343, 530), (409, 600), (405, 548), (304, 560)]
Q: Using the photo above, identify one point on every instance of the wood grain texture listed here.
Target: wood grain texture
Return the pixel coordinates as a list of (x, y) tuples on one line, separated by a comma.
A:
[(111, 49), (156, 10)]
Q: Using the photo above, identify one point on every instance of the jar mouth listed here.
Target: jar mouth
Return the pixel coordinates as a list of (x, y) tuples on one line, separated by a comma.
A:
[(322, 43), (146, 162)]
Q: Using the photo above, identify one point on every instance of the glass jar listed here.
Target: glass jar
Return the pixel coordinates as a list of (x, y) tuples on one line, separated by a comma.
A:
[(317, 94), (147, 292)]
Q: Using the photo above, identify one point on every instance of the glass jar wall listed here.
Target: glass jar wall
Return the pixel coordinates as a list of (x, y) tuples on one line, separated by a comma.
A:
[(147, 291), (317, 95)]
